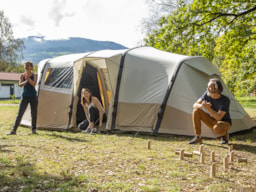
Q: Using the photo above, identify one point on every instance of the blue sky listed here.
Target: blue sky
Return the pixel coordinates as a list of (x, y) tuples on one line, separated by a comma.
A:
[(106, 20)]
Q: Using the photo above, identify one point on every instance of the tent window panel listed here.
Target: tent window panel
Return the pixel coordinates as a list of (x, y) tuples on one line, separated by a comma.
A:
[(59, 77)]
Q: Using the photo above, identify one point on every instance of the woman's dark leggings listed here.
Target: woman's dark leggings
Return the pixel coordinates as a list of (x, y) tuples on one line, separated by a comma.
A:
[(94, 117), (23, 105)]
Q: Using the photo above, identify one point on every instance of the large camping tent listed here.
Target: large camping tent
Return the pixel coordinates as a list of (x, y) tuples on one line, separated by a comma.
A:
[(142, 89)]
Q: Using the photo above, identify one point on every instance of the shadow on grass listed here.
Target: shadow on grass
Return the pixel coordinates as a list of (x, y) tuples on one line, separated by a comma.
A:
[(67, 138), (244, 147), (246, 135), (147, 135), (4, 150), (242, 136), (25, 177)]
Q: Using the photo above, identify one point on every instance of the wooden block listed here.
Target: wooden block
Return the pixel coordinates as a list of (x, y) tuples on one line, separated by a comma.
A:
[(230, 148), (231, 156), (181, 157), (187, 154), (178, 149), (197, 152), (201, 148), (149, 144), (213, 156), (202, 157), (225, 163), (213, 170), (242, 160)]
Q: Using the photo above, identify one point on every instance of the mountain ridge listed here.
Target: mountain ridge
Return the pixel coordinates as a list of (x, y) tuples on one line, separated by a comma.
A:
[(38, 48)]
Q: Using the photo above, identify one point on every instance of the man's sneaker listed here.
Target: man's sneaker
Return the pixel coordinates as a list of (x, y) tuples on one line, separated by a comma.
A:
[(11, 133), (224, 139), (196, 140), (34, 132)]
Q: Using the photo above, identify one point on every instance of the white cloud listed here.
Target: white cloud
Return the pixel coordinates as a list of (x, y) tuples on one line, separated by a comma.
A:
[(27, 21), (107, 20)]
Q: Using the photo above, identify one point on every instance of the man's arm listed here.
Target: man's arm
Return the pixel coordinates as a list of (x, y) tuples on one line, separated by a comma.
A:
[(198, 104), (218, 115)]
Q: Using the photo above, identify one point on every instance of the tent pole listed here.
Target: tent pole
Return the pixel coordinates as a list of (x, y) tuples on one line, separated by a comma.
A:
[(163, 106), (114, 112)]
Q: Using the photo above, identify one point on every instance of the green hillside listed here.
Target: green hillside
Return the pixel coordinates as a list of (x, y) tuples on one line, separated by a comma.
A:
[(38, 48)]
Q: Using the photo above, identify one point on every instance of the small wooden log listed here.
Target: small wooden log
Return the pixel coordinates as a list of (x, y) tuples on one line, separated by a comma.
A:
[(178, 149), (149, 144), (230, 148), (231, 156), (202, 157), (213, 156), (225, 163), (197, 152), (181, 157), (201, 148), (213, 170), (187, 154), (242, 160)]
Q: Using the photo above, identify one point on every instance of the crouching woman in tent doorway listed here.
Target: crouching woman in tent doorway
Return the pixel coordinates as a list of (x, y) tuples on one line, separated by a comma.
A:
[(94, 112)]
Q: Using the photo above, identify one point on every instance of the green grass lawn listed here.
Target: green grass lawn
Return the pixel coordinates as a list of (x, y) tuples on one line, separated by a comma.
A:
[(64, 161), (247, 102), (10, 101)]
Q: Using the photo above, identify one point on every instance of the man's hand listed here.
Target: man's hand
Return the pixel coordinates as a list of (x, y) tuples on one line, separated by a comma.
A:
[(206, 104)]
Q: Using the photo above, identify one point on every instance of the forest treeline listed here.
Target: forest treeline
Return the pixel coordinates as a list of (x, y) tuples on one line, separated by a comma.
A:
[(224, 31)]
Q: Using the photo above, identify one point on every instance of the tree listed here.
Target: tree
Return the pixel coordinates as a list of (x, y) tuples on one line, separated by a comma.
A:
[(10, 48), (157, 8), (221, 30)]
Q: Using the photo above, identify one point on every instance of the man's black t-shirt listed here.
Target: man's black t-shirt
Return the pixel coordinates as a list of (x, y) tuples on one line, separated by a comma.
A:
[(221, 104)]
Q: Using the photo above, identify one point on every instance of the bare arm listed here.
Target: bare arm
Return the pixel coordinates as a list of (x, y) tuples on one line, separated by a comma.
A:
[(22, 82), (100, 109), (85, 111), (198, 104), (218, 115), (32, 82)]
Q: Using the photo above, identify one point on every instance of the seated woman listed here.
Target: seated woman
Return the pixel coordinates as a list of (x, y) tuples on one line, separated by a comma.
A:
[(94, 112)]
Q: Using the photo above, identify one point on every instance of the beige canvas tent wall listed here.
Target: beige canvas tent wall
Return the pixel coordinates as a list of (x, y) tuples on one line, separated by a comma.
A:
[(142, 89)]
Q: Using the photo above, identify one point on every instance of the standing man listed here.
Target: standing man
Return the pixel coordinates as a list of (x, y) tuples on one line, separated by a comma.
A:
[(28, 81), (213, 109)]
